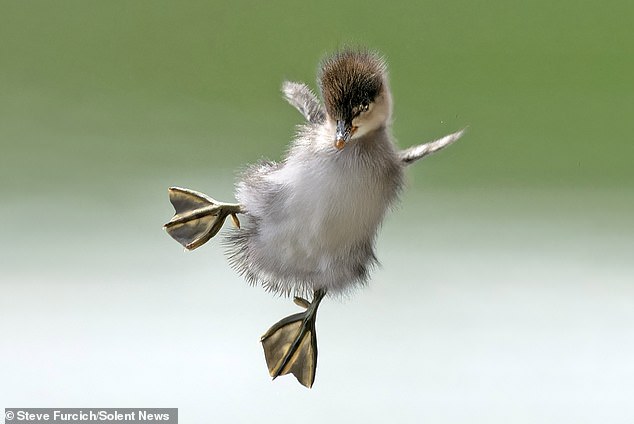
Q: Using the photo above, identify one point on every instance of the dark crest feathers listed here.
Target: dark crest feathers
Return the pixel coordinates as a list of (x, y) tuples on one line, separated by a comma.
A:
[(349, 78)]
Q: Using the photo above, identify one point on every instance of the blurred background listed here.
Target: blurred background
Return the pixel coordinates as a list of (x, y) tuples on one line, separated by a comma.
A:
[(506, 287)]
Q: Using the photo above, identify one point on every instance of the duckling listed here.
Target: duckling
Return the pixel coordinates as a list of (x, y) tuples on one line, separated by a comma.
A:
[(309, 222)]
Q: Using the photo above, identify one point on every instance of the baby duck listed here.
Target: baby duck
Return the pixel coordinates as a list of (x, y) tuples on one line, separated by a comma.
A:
[(310, 221)]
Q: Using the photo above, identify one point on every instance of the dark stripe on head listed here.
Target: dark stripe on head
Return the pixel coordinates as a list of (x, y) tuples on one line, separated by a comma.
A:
[(350, 78)]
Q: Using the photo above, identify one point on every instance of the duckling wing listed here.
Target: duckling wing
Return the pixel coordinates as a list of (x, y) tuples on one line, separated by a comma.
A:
[(304, 100), (414, 153)]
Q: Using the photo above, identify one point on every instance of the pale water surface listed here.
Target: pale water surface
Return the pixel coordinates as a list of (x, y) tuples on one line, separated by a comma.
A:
[(491, 305)]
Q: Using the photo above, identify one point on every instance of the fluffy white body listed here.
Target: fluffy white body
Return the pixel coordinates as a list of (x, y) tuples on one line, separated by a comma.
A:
[(312, 219)]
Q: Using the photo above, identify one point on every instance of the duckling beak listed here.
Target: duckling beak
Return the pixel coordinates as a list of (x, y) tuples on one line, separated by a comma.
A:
[(344, 131)]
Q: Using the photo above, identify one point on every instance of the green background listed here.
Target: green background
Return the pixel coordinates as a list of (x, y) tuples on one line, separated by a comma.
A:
[(124, 88), (505, 292)]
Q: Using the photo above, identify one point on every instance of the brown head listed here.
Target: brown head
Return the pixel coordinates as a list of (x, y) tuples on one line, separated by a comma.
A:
[(353, 84)]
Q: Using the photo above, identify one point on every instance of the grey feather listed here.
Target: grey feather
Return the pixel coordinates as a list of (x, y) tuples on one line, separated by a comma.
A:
[(305, 101), (414, 153)]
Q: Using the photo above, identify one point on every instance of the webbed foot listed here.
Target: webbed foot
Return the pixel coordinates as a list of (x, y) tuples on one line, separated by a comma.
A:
[(198, 217), (290, 346)]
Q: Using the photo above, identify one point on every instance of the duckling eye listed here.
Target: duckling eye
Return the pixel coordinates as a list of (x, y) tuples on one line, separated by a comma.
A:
[(363, 107)]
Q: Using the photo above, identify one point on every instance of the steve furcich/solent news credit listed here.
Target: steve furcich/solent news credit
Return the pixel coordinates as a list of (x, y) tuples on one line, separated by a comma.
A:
[(90, 415)]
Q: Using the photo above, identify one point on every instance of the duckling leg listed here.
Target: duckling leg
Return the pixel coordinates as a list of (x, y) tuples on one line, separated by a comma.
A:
[(290, 346), (198, 217)]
